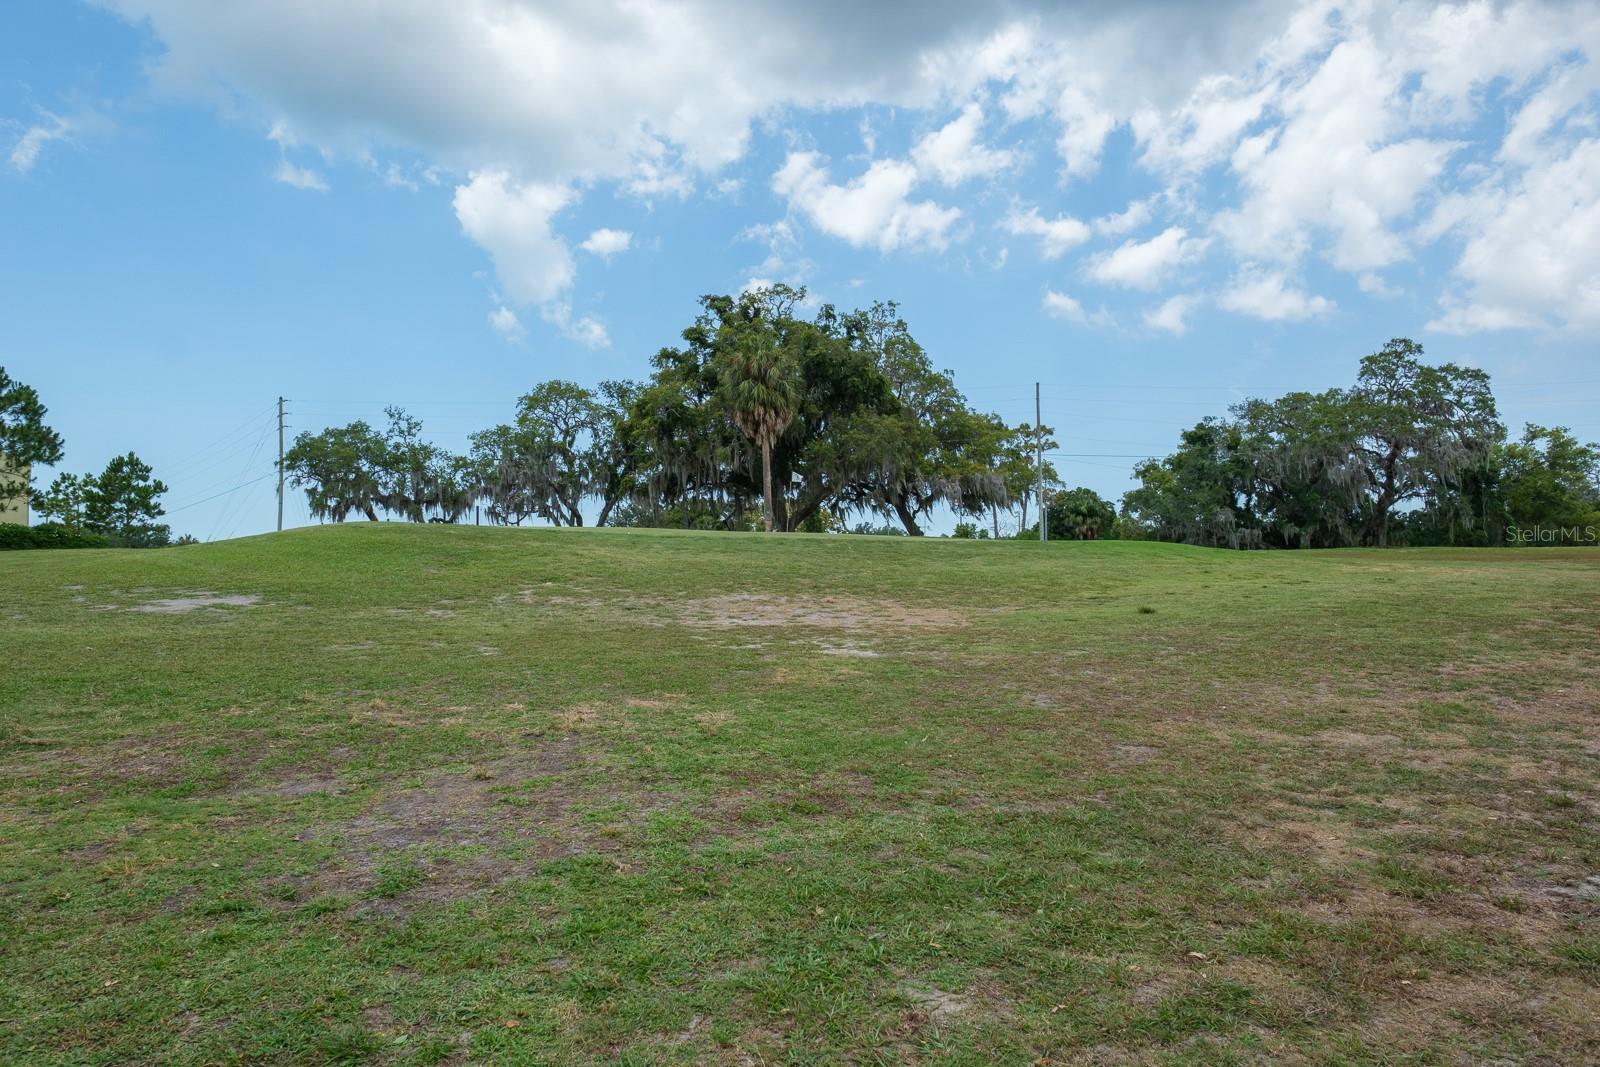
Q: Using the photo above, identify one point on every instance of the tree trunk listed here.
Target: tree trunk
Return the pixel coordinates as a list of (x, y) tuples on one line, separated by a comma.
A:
[(908, 520), (994, 517), (766, 484), (803, 510), (782, 521), (1379, 526)]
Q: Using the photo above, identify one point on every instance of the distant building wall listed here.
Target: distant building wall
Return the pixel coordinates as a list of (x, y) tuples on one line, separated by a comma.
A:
[(13, 509)]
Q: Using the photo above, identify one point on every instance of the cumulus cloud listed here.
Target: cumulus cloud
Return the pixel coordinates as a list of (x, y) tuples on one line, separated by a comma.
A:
[(1265, 294), (953, 154), (1530, 247), (1128, 219), (1061, 306), (551, 92), (1333, 166), (1055, 235), (1337, 131), (1528, 230), (606, 242), (1084, 129), (1172, 315), (873, 209), (587, 330), (1145, 264), (511, 222), (300, 177), (1069, 309), (1058, 235), (506, 324)]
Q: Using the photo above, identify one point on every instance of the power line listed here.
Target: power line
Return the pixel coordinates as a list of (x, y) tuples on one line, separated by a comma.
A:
[(225, 492), (235, 440), (1104, 455), (233, 505)]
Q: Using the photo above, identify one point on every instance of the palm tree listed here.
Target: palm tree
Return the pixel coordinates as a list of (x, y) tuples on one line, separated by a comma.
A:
[(761, 383)]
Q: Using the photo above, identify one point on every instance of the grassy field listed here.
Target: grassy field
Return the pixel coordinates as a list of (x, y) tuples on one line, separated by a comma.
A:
[(433, 795)]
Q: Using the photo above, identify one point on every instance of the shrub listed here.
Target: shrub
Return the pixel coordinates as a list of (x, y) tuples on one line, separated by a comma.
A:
[(46, 535), (141, 537)]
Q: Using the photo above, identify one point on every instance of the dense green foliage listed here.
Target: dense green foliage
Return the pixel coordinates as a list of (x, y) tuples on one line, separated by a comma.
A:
[(47, 535), (25, 441), (1081, 515), (1411, 452), (760, 411), (762, 417), (120, 504)]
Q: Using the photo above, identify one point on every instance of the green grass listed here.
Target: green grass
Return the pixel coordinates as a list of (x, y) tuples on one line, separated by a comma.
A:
[(447, 795)]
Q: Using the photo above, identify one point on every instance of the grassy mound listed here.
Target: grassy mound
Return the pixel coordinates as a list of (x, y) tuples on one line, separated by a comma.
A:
[(424, 795)]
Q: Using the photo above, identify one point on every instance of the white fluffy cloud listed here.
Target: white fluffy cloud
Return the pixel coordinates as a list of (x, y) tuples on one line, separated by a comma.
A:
[(1265, 294), (1334, 165), (507, 324), (1345, 132), (551, 92), (587, 330), (1530, 247), (1059, 235), (1069, 309), (953, 154), (606, 242), (1056, 236), (873, 209), (1529, 228), (1146, 264), (1062, 306), (1172, 315), (512, 222), (1128, 219)]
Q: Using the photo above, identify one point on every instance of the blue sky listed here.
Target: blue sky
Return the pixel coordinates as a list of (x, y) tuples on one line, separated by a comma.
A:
[(1154, 212)]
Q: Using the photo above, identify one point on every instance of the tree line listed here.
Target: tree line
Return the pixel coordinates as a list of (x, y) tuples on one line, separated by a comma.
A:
[(761, 417), (765, 418), (1411, 453)]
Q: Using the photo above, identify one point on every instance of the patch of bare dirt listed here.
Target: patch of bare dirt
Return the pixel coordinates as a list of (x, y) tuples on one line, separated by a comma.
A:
[(528, 799), (828, 612), (938, 1006), (578, 718), (1361, 742), (315, 785), (1583, 890), (1326, 843), (848, 650), (756, 610), (182, 605)]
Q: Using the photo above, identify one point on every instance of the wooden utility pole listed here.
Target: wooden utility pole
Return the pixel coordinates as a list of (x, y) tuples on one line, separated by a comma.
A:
[(1038, 444), (280, 464)]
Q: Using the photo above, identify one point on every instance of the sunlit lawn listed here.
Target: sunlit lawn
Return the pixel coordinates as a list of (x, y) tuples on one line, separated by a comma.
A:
[(459, 794)]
